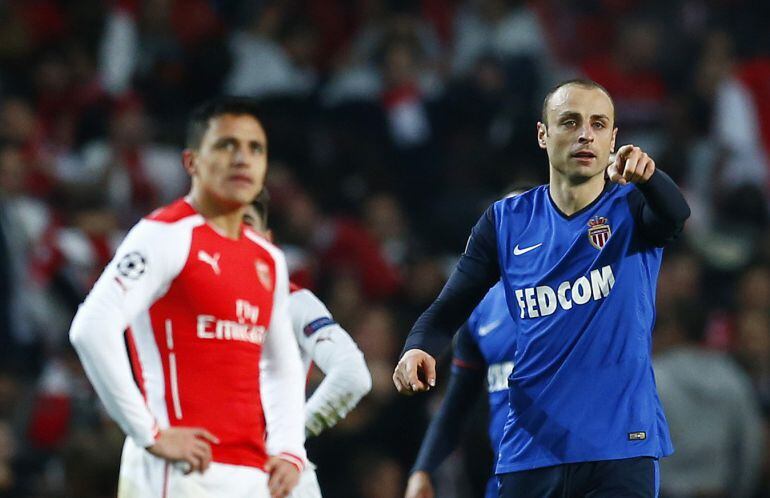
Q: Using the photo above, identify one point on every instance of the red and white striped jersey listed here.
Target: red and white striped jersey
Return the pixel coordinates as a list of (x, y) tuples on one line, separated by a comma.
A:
[(208, 347)]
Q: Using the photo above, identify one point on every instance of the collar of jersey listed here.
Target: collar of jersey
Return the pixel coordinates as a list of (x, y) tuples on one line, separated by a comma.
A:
[(213, 227), (607, 187)]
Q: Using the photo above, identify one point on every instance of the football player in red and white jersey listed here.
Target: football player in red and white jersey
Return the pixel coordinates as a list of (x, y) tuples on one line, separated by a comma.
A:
[(187, 337), (323, 342)]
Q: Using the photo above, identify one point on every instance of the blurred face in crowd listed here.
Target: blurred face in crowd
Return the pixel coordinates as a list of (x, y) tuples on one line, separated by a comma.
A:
[(400, 66), (129, 127), (579, 132), (753, 333), (12, 171), (18, 120), (384, 218), (230, 164), (754, 289)]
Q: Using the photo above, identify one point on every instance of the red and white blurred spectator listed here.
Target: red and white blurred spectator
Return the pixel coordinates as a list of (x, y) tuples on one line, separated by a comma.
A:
[(500, 28), (138, 174), (342, 246), (274, 55)]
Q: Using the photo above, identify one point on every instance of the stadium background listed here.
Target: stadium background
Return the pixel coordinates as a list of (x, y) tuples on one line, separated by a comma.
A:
[(392, 125)]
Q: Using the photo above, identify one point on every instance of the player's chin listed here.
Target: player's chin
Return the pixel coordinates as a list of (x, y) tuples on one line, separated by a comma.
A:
[(584, 172), (241, 194)]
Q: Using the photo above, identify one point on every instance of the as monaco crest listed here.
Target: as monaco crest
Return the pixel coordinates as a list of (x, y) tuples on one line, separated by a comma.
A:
[(264, 275), (599, 231)]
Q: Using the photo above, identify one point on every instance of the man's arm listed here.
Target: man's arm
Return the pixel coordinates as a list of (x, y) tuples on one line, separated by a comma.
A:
[(662, 209), (127, 287), (282, 387), (444, 432), (475, 273), (346, 376), (138, 274), (659, 206)]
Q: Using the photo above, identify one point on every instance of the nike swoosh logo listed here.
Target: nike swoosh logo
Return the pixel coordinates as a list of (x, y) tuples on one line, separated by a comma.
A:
[(486, 329), (519, 252)]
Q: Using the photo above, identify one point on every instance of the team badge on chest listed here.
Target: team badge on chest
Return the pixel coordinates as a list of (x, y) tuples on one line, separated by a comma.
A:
[(264, 274), (599, 231)]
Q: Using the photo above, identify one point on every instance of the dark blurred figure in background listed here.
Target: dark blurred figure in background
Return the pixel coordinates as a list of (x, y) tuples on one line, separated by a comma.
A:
[(712, 412)]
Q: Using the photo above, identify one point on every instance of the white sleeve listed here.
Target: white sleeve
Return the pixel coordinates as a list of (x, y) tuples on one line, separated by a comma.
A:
[(137, 276), (347, 377), (282, 379)]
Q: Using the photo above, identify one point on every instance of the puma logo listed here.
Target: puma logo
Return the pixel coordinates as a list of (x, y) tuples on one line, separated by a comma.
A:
[(212, 261)]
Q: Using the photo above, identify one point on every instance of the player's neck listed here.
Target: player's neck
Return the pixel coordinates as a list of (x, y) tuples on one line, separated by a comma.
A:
[(226, 219), (570, 196)]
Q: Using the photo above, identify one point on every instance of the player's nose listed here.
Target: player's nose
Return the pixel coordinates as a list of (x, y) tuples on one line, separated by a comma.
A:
[(240, 158), (586, 134)]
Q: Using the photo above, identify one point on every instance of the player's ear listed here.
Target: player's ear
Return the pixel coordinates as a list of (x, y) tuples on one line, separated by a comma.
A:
[(188, 161), (542, 132), (269, 235), (612, 142)]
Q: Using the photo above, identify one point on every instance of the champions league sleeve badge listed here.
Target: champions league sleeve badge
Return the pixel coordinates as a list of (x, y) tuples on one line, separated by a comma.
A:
[(599, 231), (132, 265)]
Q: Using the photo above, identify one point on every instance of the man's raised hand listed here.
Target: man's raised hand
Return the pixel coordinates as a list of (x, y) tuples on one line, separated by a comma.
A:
[(631, 165)]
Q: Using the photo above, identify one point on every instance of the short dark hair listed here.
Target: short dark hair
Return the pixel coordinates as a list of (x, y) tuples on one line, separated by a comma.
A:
[(581, 82), (260, 205), (201, 115)]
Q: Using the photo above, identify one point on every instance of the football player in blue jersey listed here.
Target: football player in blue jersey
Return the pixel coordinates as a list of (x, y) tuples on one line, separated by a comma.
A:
[(579, 260), (483, 348)]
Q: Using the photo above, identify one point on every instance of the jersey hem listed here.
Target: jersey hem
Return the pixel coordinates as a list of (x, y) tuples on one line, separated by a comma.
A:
[(254, 461), (537, 464)]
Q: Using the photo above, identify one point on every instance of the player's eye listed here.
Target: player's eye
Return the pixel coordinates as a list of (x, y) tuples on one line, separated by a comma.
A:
[(257, 148), (569, 123), (599, 125), (226, 144)]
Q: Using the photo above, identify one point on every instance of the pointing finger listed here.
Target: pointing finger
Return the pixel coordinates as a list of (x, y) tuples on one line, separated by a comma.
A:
[(631, 162), (624, 151), (613, 174)]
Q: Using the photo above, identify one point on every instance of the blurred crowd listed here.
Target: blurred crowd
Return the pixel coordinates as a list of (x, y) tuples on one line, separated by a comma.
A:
[(392, 124)]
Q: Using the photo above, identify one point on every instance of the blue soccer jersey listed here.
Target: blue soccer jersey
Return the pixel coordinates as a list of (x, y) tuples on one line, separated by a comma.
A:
[(489, 342), (582, 291)]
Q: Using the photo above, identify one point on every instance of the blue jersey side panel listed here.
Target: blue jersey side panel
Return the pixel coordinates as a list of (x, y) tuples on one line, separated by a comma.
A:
[(492, 330), (491, 344)]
